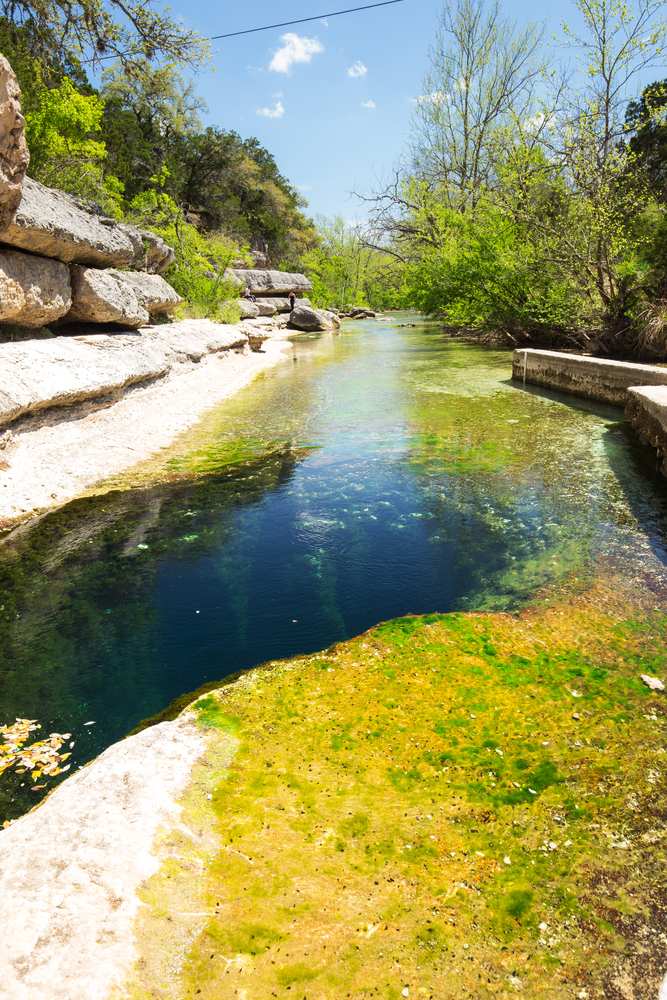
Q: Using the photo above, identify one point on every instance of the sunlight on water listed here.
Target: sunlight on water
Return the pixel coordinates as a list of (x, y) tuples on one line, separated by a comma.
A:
[(374, 474)]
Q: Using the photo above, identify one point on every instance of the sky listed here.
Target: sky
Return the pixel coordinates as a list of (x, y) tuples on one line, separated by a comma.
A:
[(331, 99)]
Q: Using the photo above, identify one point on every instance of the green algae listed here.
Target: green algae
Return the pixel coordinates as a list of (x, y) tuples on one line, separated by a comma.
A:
[(457, 805)]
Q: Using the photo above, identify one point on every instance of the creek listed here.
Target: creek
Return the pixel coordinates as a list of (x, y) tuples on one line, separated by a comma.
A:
[(378, 473)]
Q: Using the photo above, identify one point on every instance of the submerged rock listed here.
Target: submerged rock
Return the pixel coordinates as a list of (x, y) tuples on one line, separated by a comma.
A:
[(653, 683), (14, 155)]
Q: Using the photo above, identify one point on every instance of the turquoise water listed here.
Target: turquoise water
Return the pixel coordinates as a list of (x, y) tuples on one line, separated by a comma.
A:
[(385, 471)]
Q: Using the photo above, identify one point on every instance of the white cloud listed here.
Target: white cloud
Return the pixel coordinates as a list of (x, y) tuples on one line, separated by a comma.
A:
[(358, 69), (368, 104), (276, 112), (294, 50), (278, 93), (437, 97), (303, 187), (254, 70)]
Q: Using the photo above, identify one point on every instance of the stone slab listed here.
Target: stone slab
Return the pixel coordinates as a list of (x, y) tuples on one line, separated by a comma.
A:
[(101, 297), (70, 870), (38, 374), (155, 294), (594, 378), (647, 412), (270, 282), (34, 291), (274, 304), (55, 224)]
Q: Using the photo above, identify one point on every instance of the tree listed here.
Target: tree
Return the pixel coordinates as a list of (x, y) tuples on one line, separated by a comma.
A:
[(482, 80), (90, 30), (645, 123)]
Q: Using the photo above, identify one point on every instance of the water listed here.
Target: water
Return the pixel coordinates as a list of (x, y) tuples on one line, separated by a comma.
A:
[(382, 472)]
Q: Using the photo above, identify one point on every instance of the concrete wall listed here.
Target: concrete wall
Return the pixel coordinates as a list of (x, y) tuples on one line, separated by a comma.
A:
[(594, 378), (647, 412)]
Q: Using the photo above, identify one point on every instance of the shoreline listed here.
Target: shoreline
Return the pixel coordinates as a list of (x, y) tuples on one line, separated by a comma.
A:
[(53, 455)]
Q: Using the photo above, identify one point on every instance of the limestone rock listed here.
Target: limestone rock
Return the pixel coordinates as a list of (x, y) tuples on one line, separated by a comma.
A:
[(34, 291), (153, 292), (37, 374), (249, 310), (333, 322), (55, 224), (307, 319), (71, 871), (361, 312), (158, 255), (270, 282), (14, 155), (266, 307), (278, 304), (654, 683), (256, 338), (101, 297)]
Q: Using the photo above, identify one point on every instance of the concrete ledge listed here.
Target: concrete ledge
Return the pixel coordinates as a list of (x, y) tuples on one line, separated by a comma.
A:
[(647, 412), (594, 378)]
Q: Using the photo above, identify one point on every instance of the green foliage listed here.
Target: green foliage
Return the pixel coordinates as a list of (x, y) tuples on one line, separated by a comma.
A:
[(59, 129), (483, 269), (345, 271)]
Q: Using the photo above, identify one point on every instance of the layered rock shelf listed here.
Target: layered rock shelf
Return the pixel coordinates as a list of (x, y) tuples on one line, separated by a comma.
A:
[(59, 255), (38, 374)]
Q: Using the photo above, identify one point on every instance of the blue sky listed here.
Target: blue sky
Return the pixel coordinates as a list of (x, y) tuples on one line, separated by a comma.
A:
[(339, 117)]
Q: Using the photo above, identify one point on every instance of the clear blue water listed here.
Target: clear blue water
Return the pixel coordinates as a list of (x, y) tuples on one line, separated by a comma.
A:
[(385, 471)]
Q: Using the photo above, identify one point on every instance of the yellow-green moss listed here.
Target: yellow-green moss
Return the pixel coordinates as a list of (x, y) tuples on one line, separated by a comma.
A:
[(419, 809)]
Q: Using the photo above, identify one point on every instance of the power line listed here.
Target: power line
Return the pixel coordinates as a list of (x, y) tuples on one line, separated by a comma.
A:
[(301, 20)]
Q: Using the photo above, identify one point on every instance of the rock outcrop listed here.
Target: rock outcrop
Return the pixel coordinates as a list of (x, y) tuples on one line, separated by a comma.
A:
[(34, 291), (38, 374), (69, 879), (14, 156), (154, 293), (54, 224), (101, 297), (270, 282)]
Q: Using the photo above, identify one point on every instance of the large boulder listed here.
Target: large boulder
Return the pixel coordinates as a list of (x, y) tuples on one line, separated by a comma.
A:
[(55, 224), (34, 291), (270, 282), (101, 297), (308, 319), (14, 155), (154, 293)]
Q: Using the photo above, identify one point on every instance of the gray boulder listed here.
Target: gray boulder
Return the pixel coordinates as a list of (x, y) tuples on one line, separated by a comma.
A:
[(270, 282), (308, 319), (34, 291), (54, 224), (153, 292), (101, 297), (332, 321), (249, 310), (14, 155)]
